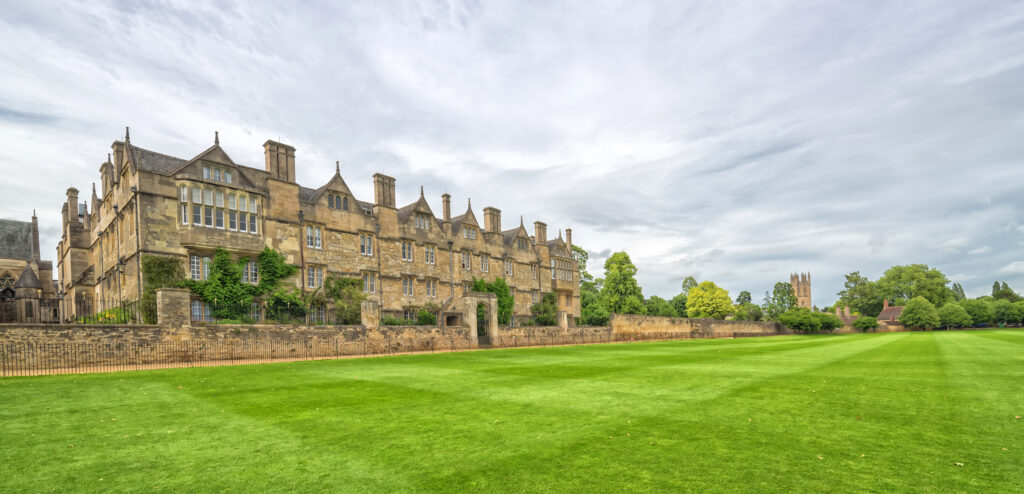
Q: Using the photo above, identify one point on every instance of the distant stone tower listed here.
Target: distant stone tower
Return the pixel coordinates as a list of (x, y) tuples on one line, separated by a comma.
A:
[(802, 289)]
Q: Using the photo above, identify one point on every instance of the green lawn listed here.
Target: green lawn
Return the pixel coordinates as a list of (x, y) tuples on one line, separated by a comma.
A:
[(879, 412)]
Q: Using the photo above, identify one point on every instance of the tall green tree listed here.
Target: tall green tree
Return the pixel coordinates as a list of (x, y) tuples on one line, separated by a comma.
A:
[(593, 311), (657, 306), (958, 292), (779, 301), (979, 310), (582, 256), (621, 293), (1002, 291), (903, 283), (688, 283), (954, 316), (708, 300), (1004, 312), (920, 313), (747, 311), (743, 297), (861, 295)]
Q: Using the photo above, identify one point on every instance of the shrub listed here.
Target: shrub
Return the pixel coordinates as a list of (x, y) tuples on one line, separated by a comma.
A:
[(979, 310), (827, 322), (286, 306), (157, 272), (394, 321), (920, 313), (865, 323), (426, 318), (545, 312), (799, 319)]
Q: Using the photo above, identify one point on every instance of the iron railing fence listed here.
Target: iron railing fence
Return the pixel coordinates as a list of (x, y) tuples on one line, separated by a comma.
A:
[(110, 311), (31, 358)]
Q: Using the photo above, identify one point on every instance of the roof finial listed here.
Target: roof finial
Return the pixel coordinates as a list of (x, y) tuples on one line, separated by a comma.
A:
[(216, 138), (559, 234), (33, 213), (127, 135), (108, 159), (337, 167), (469, 203), (520, 221), (421, 191)]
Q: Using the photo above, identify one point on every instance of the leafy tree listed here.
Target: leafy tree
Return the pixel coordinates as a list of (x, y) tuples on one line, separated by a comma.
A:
[(827, 322), (900, 283), (861, 295), (743, 298), (545, 312), (779, 301), (865, 323), (347, 296), (1004, 312), (708, 300), (800, 319), (593, 311), (621, 294), (504, 294), (657, 306), (979, 310), (679, 304), (688, 283), (954, 316), (1002, 291), (920, 313), (958, 292), (747, 311), (581, 256), (158, 272)]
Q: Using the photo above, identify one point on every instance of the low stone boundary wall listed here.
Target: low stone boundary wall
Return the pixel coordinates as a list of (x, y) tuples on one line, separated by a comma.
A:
[(698, 328)]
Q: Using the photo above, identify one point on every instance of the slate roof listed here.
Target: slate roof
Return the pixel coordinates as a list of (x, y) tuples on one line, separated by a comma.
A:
[(306, 194), (891, 313), (15, 240), (152, 161), (28, 279)]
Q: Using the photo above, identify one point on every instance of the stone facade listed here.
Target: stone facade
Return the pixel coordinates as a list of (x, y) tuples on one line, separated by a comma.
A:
[(27, 291), (801, 289), (153, 204)]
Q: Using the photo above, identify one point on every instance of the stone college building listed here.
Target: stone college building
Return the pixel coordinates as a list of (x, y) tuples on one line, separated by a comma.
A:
[(153, 204)]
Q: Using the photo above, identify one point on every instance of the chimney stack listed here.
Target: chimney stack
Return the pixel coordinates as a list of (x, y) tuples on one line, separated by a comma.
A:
[(492, 219), (280, 160), (568, 238), (838, 313), (846, 311), (384, 190), (446, 200), (540, 232), (885, 304)]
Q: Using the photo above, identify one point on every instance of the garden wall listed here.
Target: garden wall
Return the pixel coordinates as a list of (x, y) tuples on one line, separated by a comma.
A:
[(545, 335), (622, 324)]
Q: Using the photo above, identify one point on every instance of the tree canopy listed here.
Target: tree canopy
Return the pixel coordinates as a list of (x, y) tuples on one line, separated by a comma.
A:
[(708, 300), (779, 301), (861, 295), (621, 294), (903, 283), (954, 316), (657, 306), (920, 313)]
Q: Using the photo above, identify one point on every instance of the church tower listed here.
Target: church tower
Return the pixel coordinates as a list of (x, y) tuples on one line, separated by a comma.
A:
[(801, 289)]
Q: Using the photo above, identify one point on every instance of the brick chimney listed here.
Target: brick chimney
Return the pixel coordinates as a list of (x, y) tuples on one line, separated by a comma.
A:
[(35, 237), (384, 190), (838, 311), (885, 304), (280, 160), (492, 219), (446, 200), (846, 311), (568, 238), (540, 232), (71, 214)]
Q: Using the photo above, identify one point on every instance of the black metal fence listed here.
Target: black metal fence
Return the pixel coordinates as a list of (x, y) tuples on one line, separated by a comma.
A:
[(28, 358)]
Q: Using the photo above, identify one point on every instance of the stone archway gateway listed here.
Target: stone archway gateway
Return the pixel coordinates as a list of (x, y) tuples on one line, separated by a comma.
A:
[(469, 303)]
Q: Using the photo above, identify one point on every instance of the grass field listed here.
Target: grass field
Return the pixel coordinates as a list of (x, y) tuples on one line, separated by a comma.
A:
[(879, 412)]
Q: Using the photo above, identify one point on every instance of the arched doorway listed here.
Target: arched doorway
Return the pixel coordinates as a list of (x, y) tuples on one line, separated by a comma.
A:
[(483, 330), (8, 311)]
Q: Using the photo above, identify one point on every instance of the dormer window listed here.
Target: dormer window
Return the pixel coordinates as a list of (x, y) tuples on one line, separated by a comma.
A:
[(469, 232), (422, 221), (524, 244)]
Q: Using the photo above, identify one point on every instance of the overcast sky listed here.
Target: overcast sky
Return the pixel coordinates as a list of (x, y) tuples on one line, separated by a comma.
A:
[(736, 142)]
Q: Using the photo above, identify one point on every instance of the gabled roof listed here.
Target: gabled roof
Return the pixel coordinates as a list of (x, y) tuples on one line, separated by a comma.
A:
[(419, 206), (891, 313), (152, 161), (465, 218), (335, 183), (510, 236), (15, 239), (214, 154), (28, 279)]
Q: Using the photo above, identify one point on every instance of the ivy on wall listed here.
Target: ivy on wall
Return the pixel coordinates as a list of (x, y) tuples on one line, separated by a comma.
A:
[(158, 272), (230, 298)]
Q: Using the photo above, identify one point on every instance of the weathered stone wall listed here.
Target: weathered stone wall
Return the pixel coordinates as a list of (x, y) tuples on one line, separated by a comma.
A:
[(547, 335), (622, 324), (45, 346)]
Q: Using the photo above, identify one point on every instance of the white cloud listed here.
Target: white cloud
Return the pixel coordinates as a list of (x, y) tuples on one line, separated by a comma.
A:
[(1015, 267), (737, 143), (980, 250)]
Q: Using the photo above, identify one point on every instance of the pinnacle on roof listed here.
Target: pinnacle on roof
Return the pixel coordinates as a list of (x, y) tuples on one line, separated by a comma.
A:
[(127, 135), (216, 138), (337, 167)]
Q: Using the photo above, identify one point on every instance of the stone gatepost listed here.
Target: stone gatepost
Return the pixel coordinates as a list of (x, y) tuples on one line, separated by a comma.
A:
[(172, 307), (370, 314), (563, 320)]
